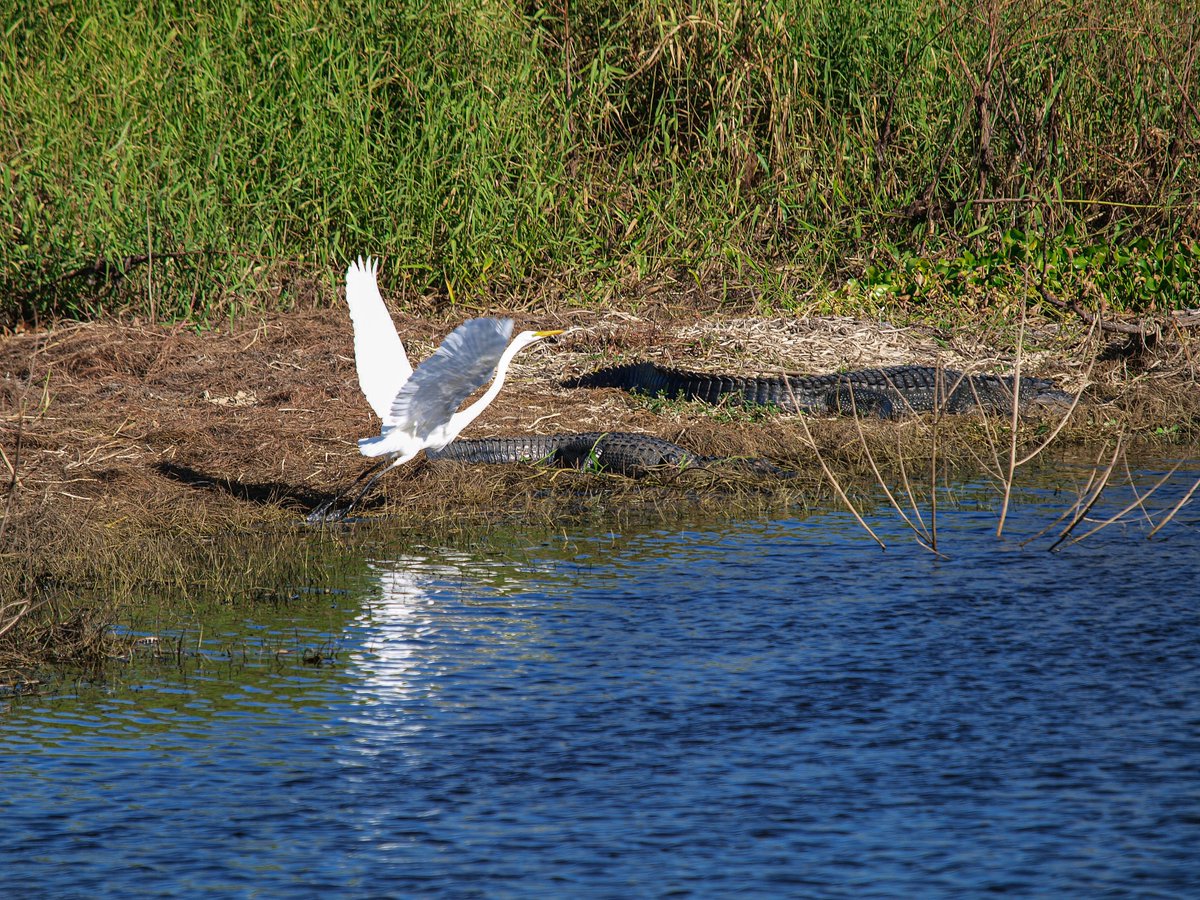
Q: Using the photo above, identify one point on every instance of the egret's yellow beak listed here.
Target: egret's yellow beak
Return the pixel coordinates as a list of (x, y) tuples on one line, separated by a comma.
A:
[(549, 333)]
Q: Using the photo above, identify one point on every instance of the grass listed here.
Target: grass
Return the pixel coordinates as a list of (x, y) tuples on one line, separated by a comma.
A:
[(194, 161)]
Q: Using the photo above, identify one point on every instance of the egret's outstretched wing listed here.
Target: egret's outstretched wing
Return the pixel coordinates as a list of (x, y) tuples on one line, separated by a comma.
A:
[(382, 363), (459, 367)]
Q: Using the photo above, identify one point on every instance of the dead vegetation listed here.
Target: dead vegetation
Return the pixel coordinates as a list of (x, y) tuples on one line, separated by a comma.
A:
[(162, 459)]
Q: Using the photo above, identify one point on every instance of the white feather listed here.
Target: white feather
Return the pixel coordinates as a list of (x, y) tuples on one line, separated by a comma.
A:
[(420, 409), (383, 366), (457, 369), (423, 414)]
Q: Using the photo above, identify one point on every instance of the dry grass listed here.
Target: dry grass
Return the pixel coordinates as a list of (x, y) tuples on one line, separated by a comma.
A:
[(112, 421)]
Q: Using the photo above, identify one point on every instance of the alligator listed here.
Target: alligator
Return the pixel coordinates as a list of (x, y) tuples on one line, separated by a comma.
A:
[(888, 392), (623, 452)]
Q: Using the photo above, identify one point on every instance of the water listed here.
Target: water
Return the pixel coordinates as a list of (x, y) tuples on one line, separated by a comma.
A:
[(760, 708)]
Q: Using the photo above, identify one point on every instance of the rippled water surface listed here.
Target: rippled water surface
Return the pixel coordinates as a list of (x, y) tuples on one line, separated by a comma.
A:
[(762, 708)]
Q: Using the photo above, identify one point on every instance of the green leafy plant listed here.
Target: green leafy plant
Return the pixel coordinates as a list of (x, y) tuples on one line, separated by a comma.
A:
[(1129, 274)]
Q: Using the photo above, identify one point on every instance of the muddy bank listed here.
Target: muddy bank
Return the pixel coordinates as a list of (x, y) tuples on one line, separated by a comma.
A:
[(126, 447), (124, 421), (114, 418)]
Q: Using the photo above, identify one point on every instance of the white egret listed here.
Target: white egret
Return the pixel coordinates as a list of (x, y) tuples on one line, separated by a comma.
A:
[(420, 408)]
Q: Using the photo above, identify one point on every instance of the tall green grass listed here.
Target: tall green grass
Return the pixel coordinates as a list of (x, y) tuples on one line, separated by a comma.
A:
[(483, 146)]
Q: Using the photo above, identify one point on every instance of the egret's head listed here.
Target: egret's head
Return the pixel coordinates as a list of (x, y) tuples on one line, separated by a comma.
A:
[(525, 338)]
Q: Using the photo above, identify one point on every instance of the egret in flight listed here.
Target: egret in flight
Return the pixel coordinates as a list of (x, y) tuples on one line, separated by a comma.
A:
[(419, 408)]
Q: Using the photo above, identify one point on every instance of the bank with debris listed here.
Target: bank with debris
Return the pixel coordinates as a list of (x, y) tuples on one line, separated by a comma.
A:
[(133, 452)]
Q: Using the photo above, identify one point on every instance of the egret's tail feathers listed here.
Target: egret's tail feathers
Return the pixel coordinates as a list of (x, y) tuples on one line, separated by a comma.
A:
[(393, 443), (380, 445)]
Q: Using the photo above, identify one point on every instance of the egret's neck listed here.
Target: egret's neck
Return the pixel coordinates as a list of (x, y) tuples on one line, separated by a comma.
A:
[(464, 418)]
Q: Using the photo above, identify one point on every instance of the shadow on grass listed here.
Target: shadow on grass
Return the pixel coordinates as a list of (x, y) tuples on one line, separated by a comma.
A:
[(262, 493)]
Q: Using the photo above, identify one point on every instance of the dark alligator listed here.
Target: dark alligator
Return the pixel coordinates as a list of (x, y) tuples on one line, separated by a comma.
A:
[(622, 452), (889, 391), (612, 451)]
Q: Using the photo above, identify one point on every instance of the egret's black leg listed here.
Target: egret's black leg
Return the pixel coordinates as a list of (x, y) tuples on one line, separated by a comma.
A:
[(379, 471), (327, 512)]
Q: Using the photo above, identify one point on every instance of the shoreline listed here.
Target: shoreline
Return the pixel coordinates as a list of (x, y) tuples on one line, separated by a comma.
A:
[(129, 446)]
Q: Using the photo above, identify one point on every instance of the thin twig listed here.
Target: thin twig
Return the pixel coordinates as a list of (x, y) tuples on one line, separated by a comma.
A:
[(1099, 489), (921, 535), (1139, 501), (1010, 476), (933, 435), (912, 497), (838, 488), (8, 620), (829, 474), (1133, 487), (1080, 493), (1176, 508)]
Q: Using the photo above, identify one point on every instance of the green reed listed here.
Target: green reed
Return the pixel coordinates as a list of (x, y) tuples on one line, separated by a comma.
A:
[(187, 160)]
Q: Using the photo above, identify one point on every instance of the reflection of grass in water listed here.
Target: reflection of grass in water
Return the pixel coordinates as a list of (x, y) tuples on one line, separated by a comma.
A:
[(217, 639), (78, 577), (218, 659)]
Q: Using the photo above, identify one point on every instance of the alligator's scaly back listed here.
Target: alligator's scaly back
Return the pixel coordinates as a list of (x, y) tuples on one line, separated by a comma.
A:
[(614, 451), (623, 452), (886, 391)]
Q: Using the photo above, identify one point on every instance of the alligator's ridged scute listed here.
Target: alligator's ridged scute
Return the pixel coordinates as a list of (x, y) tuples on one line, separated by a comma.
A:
[(613, 451), (886, 391)]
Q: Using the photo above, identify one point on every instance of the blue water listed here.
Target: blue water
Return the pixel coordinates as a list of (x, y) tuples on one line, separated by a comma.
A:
[(756, 708)]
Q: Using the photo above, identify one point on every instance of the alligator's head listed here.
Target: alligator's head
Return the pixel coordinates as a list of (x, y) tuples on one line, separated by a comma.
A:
[(1041, 393)]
